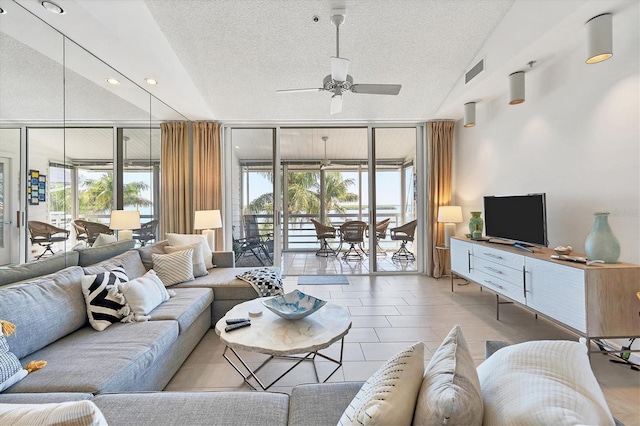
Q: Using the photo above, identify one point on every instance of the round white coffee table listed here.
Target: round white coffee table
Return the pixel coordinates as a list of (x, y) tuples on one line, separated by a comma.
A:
[(272, 335)]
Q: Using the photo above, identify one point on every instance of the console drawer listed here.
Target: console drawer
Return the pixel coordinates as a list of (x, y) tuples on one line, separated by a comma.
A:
[(499, 270), (500, 286), (512, 260)]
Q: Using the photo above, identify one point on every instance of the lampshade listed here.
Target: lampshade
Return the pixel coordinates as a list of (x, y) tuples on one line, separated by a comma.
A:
[(207, 219), (450, 214), (599, 38), (124, 221), (469, 114), (516, 88)]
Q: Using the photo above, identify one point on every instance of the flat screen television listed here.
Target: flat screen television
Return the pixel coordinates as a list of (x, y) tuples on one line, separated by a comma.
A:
[(518, 218)]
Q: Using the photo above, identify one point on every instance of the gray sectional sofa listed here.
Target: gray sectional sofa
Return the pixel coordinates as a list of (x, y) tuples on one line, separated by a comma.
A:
[(44, 300)]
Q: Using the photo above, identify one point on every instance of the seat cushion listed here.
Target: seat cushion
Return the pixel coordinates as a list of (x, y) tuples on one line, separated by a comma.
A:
[(320, 403), (77, 362), (195, 408), (225, 284), (184, 307)]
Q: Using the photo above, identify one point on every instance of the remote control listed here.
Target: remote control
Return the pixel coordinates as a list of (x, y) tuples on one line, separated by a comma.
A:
[(237, 320), (236, 326)]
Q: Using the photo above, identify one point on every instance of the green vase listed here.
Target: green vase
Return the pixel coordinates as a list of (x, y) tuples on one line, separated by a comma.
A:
[(476, 223), (601, 244)]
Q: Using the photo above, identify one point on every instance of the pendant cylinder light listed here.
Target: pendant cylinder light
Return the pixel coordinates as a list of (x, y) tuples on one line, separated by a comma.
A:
[(516, 88), (599, 38), (469, 114)]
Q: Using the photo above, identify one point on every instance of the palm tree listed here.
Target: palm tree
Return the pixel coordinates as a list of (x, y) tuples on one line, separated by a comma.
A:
[(98, 197), (304, 194)]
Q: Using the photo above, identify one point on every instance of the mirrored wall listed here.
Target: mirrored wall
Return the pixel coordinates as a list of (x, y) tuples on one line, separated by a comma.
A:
[(72, 145)]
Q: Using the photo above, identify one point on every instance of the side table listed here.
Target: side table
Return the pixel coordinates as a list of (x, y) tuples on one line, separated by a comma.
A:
[(451, 274)]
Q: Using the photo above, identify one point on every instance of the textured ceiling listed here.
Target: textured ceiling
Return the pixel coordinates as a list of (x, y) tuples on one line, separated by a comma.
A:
[(224, 59)]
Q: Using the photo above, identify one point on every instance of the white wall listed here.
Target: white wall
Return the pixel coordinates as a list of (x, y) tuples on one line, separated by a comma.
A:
[(576, 138)]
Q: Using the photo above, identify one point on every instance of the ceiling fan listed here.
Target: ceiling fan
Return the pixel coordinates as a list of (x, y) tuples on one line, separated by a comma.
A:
[(339, 81)]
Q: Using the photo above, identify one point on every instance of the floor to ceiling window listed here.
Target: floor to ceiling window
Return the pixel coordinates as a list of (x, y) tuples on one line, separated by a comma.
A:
[(325, 176)]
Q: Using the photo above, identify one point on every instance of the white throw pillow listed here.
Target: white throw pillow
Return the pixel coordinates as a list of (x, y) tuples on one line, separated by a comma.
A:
[(450, 393), (389, 396), (144, 294), (186, 239), (76, 413), (199, 268), (546, 382), (174, 268), (104, 239)]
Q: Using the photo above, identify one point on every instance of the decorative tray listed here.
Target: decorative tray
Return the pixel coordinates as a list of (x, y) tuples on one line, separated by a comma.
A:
[(294, 305)]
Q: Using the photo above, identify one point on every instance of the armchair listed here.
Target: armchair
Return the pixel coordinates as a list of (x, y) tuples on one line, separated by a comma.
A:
[(147, 232), (404, 233), (324, 232), (352, 232), (89, 231), (255, 242), (381, 234), (45, 235)]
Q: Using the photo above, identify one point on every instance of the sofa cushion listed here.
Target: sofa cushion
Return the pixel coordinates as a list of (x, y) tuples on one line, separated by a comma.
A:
[(194, 408), (199, 268), (185, 306), (186, 239), (389, 395), (44, 266), (225, 284), (130, 260), (450, 391), (320, 403), (44, 311), (105, 304), (42, 398), (146, 252), (132, 349), (144, 294), (542, 382), (77, 413), (93, 255), (174, 268)]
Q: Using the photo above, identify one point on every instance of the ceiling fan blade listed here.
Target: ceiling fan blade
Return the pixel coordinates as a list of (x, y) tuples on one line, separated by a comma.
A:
[(339, 68), (377, 89), (320, 89), (336, 104)]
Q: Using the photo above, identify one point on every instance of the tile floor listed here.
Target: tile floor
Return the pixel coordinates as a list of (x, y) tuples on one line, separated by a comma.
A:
[(304, 263), (391, 312)]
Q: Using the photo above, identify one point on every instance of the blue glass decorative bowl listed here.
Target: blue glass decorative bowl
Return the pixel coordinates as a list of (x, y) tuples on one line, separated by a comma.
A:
[(294, 305)]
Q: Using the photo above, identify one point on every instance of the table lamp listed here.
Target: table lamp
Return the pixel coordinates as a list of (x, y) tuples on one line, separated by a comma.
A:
[(125, 221), (449, 215), (208, 221)]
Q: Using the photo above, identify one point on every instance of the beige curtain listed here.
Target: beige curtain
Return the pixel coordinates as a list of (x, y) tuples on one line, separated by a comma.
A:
[(440, 143), (175, 183), (207, 170)]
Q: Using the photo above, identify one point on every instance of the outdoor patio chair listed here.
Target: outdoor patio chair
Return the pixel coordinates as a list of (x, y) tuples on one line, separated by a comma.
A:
[(255, 241), (45, 235), (147, 232), (89, 231), (352, 232), (405, 234), (323, 233), (381, 234)]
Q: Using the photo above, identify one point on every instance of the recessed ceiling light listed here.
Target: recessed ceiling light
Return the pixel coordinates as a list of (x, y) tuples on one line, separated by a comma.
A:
[(113, 81), (52, 7), (237, 147), (151, 81)]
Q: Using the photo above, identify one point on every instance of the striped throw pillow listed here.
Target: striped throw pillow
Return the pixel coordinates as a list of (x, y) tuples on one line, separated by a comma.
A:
[(105, 303), (77, 413), (174, 268)]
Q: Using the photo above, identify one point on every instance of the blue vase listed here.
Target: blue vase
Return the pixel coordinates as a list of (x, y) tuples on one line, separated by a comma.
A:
[(601, 244)]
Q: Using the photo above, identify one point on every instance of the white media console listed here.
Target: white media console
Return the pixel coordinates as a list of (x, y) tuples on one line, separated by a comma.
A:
[(597, 302)]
